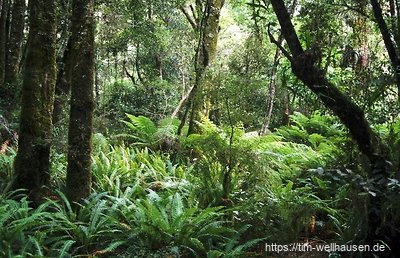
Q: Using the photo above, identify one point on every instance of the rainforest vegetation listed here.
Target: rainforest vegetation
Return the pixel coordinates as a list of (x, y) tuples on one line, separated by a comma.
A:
[(199, 128)]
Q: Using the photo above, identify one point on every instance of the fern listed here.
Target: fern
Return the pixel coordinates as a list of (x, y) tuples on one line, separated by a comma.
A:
[(143, 131), (143, 128), (162, 222)]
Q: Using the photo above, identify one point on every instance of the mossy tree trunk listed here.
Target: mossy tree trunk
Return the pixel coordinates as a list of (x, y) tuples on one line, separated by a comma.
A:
[(206, 25), (81, 112), (14, 43), (63, 84), (32, 161)]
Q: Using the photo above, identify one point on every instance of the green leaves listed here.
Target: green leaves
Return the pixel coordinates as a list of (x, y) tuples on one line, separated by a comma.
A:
[(143, 131), (142, 126), (166, 222)]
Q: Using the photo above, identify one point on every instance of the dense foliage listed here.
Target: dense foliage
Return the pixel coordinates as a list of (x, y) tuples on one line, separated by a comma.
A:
[(207, 141)]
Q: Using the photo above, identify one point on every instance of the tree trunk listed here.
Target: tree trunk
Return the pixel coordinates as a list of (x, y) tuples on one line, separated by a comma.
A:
[(81, 113), (271, 90), (304, 68), (3, 41), (32, 160), (272, 84), (208, 29), (15, 43), (387, 39), (63, 84)]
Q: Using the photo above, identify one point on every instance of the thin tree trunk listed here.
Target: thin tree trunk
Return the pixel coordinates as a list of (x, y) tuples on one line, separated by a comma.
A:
[(387, 39), (181, 102), (63, 84), (3, 41), (271, 90), (127, 73), (137, 64), (32, 161), (272, 85), (81, 113), (15, 42)]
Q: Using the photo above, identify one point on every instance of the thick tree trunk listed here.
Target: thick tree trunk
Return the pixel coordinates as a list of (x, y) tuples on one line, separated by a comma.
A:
[(81, 113), (15, 43), (349, 113), (32, 160)]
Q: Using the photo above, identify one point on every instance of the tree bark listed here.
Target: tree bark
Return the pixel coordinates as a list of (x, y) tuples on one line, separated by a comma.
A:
[(15, 43), (63, 84), (387, 39), (272, 84), (3, 40), (271, 91), (208, 30), (81, 113), (32, 160)]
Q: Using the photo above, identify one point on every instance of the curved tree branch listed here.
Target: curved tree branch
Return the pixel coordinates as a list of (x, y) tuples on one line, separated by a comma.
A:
[(304, 68), (189, 17), (276, 42)]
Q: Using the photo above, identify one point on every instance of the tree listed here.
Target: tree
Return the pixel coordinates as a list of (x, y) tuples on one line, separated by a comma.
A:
[(81, 112), (387, 37), (63, 84), (32, 161), (205, 24), (3, 38), (304, 67), (15, 42), (11, 38), (273, 79)]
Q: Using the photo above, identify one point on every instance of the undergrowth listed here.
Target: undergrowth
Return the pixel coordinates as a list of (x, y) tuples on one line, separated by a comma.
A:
[(221, 193)]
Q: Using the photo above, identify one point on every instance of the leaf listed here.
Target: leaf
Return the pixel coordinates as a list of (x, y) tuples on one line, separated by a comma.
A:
[(214, 254), (65, 248)]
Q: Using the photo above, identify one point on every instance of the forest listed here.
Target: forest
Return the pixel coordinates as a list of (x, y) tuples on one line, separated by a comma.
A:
[(199, 128)]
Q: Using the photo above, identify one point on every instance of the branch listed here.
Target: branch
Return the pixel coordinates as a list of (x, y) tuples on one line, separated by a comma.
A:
[(183, 99), (189, 17), (347, 111), (129, 74), (254, 5), (282, 49), (390, 47), (351, 8), (288, 30)]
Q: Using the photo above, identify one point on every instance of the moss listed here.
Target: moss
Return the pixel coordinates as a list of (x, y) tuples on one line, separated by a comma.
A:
[(81, 112), (32, 161)]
